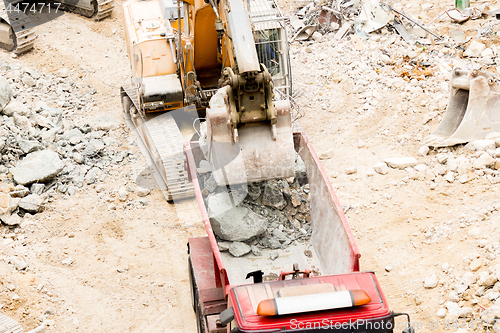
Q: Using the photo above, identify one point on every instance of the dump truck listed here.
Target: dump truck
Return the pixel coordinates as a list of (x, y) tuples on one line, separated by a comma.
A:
[(312, 286)]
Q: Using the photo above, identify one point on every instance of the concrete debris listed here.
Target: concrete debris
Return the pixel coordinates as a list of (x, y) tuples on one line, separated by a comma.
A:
[(6, 92), (31, 203), (39, 166), (431, 281), (381, 168), (273, 196), (238, 249), (237, 224), (401, 162), (272, 214)]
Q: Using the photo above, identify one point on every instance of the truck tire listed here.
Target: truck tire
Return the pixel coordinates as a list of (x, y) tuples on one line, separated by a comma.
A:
[(196, 300)]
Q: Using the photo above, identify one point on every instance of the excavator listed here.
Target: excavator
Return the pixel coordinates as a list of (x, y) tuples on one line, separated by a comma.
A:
[(16, 29), (211, 71)]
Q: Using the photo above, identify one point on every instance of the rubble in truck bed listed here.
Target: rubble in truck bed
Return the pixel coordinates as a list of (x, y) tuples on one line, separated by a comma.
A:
[(271, 214)]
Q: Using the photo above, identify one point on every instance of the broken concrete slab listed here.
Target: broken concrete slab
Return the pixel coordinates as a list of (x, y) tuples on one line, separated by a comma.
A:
[(272, 196), (31, 203), (38, 166), (239, 249), (401, 162), (233, 223)]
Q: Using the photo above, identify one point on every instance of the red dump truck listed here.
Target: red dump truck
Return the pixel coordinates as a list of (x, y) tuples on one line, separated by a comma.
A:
[(337, 298)]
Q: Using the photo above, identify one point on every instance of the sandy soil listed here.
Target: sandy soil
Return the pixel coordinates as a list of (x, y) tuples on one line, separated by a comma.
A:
[(148, 246)]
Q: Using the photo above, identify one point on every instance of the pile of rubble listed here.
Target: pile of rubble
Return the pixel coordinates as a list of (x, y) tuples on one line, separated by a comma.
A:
[(478, 159), (470, 297), (266, 215), (45, 153)]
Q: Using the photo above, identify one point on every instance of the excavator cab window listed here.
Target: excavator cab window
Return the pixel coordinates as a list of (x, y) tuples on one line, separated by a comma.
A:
[(268, 49)]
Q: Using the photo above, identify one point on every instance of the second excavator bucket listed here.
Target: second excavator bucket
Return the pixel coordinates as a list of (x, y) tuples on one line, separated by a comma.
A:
[(256, 156), (473, 110)]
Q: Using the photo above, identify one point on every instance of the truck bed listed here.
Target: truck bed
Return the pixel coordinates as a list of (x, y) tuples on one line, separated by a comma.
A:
[(332, 244)]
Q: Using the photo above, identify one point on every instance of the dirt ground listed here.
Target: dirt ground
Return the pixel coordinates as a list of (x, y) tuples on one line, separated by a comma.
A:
[(130, 266)]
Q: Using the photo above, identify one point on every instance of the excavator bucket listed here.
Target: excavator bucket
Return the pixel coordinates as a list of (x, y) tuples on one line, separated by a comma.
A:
[(473, 110), (256, 156)]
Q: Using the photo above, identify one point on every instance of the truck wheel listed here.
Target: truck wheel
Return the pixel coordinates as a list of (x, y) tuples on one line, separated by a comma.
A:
[(191, 283), (196, 300)]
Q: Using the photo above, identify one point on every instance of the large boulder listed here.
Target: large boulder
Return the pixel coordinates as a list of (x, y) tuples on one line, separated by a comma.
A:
[(233, 223), (5, 92), (38, 166)]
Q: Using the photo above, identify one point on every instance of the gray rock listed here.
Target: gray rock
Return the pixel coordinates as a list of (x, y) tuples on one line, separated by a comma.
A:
[(42, 121), (37, 188), (401, 162), (78, 158), (38, 166), (20, 191), (481, 145), (254, 191), (29, 146), (29, 81), (239, 249), (491, 315), (327, 154), (31, 203), (22, 121), (91, 175), (256, 251), (15, 107), (381, 168), (223, 246), (453, 310), (71, 190), (442, 158), (431, 281), (143, 191), (63, 72), (300, 167), (50, 135), (273, 255), (74, 136), (233, 223), (122, 194), (423, 151), (351, 170), (11, 220), (483, 161), (453, 296), (20, 265), (272, 196), (104, 122), (6, 92), (94, 147)]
